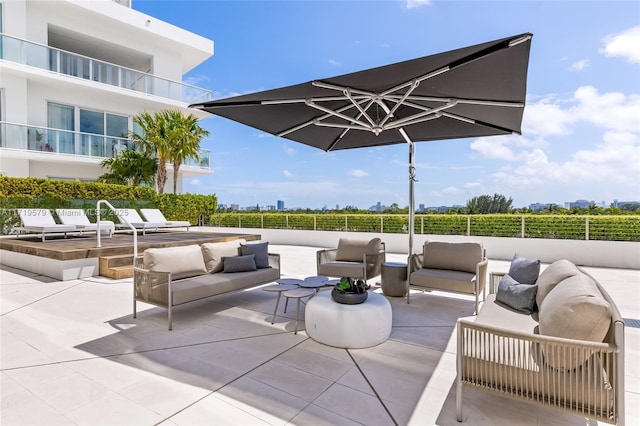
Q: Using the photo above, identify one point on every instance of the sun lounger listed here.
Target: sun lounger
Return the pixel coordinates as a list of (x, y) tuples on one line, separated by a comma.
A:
[(131, 216), (40, 221), (155, 215), (79, 218)]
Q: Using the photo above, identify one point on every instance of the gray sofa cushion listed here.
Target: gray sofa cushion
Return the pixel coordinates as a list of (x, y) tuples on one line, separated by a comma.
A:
[(182, 262), (261, 252), (457, 281), (239, 263), (523, 270), (517, 296), (208, 285), (341, 269), (453, 256), (214, 252)]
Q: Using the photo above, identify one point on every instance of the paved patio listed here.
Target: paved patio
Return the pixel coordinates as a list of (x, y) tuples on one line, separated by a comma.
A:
[(71, 354)]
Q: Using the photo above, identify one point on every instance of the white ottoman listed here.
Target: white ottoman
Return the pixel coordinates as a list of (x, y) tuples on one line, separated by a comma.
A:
[(348, 326)]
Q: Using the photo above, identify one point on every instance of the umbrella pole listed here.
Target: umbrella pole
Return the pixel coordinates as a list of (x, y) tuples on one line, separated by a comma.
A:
[(412, 178)]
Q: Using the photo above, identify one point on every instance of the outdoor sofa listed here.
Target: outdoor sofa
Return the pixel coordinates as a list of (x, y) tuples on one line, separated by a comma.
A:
[(459, 267), (567, 354), (172, 276)]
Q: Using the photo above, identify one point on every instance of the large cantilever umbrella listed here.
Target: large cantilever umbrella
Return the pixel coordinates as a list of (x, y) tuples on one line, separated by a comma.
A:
[(469, 92)]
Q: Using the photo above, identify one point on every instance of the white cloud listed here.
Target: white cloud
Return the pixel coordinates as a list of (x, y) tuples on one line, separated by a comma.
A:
[(412, 4), (385, 45), (288, 150), (195, 182), (333, 62), (358, 173), (287, 173), (494, 148), (624, 45), (472, 186), (451, 190), (579, 65)]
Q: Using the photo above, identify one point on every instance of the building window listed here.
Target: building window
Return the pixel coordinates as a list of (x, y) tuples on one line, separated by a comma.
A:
[(60, 117)]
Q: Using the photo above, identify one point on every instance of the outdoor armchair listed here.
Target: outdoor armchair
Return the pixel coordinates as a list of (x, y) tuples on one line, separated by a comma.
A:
[(352, 258), (454, 267)]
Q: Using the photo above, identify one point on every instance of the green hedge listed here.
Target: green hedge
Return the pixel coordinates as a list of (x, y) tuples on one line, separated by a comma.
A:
[(600, 227), (51, 194)]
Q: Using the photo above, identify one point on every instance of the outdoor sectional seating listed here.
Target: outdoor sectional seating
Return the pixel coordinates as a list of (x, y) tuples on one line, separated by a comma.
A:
[(172, 276), (567, 355)]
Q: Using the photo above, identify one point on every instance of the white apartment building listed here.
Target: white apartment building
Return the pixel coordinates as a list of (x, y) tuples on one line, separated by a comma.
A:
[(73, 73)]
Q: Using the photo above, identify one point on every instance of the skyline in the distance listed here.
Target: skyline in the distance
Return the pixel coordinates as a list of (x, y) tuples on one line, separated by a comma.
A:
[(581, 127)]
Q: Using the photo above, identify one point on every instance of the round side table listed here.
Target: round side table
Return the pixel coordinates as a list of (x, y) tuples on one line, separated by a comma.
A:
[(394, 279), (348, 326)]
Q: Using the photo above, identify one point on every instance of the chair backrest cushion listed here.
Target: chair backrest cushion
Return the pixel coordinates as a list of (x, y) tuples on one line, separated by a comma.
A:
[(182, 262), (153, 215), (452, 256), (214, 252), (574, 309), (551, 276), (73, 217), (128, 215), (352, 250), (36, 217)]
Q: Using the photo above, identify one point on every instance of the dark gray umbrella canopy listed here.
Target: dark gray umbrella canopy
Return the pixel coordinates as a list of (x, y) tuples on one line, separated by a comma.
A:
[(469, 92)]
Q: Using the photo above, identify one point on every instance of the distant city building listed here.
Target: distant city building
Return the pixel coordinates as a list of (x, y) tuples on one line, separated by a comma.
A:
[(235, 207), (421, 207), (280, 204), (580, 204), (539, 206)]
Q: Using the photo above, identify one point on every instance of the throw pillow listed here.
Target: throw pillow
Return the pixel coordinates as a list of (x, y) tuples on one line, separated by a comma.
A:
[(239, 263), (260, 250), (214, 252), (519, 297), (182, 262), (523, 270)]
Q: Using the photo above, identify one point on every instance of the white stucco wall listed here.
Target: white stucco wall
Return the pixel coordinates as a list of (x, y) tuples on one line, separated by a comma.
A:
[(610, 254)]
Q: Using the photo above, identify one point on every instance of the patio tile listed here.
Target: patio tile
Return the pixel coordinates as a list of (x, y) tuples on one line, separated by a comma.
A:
[(69, 392), (112, 410), (315, 364), (290, 380), (213, 411), (317, 416), (354, 405)]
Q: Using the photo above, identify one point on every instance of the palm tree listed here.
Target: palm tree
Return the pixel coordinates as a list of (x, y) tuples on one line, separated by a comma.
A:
[(170, 136), (186, 135), (130, 167)]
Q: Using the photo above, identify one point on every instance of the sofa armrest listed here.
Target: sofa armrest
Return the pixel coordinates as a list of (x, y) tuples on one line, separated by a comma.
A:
[(481, 275), (152, 287), (415, 261), (274, 260), (326, 256), (495, 358), (373, 263)]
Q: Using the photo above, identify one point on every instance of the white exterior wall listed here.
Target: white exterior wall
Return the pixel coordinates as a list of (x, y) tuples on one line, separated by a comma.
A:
[(26, 91), (608, 254)]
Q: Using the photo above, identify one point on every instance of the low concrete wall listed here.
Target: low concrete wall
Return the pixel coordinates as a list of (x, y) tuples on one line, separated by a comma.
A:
[(61, 270), (606, 254)]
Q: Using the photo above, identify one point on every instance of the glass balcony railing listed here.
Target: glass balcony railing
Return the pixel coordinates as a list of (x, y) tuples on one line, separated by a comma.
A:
[(47, 58), (44, 139)]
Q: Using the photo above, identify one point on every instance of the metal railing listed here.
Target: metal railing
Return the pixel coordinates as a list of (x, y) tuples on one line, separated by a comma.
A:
[(51, 59), (45, 139), (572, 227)]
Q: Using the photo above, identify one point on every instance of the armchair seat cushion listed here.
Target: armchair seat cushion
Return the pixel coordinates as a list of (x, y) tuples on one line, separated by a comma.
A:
[(341, 269), (445, 279)]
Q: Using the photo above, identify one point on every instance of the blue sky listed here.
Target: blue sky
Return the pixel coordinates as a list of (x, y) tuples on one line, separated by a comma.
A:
[(581, 127)]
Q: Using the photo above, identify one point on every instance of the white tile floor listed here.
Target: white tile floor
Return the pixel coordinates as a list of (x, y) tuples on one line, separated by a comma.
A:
[(71, 354)]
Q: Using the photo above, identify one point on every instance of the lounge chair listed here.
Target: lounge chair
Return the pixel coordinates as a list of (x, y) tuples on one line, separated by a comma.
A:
[(353, 258), (40, 221), (79, 218), (131, 216), (155, 215)]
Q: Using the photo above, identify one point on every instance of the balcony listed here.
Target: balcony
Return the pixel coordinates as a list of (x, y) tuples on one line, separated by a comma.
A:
[(55, 141), (67, 63)]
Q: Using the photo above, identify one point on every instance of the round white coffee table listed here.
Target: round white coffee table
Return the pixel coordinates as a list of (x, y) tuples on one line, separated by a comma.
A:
[(348, 326)]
